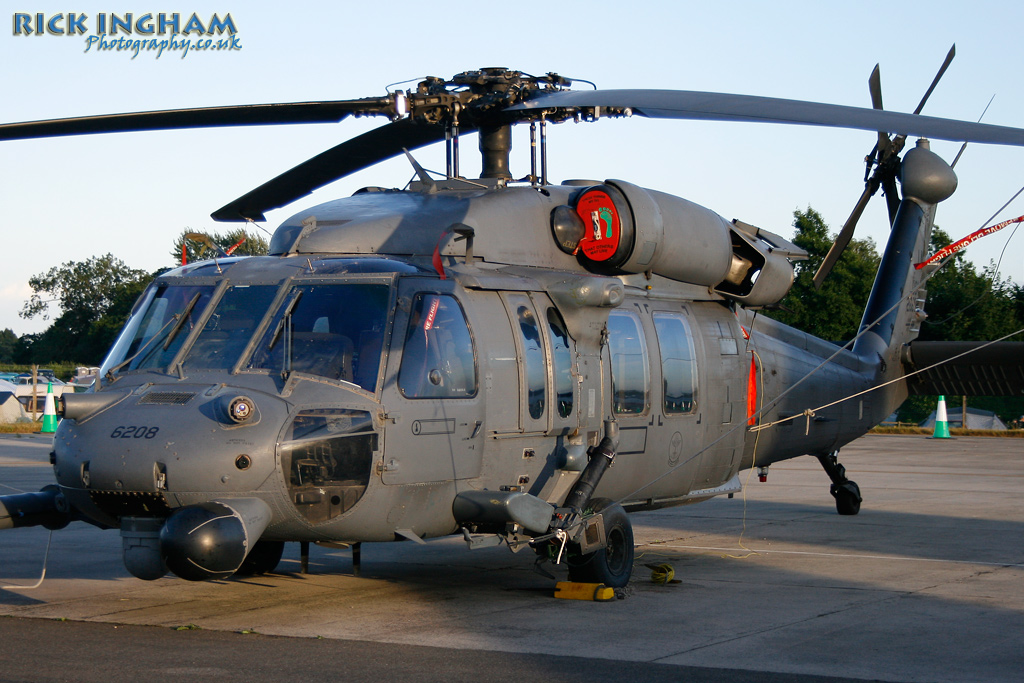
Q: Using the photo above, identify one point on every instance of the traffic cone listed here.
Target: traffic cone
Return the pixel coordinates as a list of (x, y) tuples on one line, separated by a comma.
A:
[(941, 422), (49, 412)]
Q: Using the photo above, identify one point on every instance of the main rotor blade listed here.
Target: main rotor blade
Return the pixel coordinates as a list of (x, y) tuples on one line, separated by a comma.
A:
[(203, 117), (350, 156), (844, 237), (685, 104)]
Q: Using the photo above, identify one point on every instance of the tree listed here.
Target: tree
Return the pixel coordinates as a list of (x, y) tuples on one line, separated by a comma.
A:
[(8, 343), (195, 249), (23, 349), (1018, 302), (963, 304), (834, 311), (94, 297)]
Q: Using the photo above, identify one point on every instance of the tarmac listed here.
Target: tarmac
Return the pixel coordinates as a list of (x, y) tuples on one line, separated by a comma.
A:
[(925, 584)]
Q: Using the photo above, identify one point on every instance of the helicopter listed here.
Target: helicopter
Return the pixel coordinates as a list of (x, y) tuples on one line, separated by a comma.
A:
[(511, 360)]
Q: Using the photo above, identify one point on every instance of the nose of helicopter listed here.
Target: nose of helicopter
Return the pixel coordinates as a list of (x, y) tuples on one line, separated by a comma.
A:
[(180, 470), (193, 475), (154, 448)]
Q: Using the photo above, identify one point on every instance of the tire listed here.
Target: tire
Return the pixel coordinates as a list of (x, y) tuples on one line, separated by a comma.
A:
[(262, 559), (847, 497), (613, 564)]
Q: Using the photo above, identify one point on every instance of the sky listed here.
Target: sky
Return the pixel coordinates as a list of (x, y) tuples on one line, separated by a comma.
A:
[(69, 199)]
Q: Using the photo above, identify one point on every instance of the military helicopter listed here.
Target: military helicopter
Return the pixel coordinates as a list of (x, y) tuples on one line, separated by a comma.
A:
[(514, 361)]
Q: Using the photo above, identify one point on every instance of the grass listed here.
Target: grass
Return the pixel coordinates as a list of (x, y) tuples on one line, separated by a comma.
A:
[(20, 428), (953, 431)]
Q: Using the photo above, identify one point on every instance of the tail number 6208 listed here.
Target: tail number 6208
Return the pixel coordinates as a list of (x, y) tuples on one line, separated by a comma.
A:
[(142, 432)]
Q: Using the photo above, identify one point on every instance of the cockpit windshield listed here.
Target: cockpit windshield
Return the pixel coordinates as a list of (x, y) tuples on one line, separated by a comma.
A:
[(330, 330), (228, 329), (334, 331), (155, 332)]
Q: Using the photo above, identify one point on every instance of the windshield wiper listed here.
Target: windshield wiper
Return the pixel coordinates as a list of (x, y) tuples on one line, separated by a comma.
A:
[(178, 320), (109, 376), (288, 310), (181, 318)]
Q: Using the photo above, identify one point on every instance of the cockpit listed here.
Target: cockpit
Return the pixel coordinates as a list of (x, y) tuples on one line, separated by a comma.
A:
[(329, 320)]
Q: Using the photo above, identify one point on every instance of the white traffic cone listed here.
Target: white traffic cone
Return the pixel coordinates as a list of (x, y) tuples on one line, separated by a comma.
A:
[(941, 421), (49, 412)]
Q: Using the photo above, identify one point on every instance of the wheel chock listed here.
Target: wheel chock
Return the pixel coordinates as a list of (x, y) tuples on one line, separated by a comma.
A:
[(571, 590)]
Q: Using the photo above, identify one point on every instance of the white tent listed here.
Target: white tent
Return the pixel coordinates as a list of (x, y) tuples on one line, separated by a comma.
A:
[(976, 419), (11, 409)]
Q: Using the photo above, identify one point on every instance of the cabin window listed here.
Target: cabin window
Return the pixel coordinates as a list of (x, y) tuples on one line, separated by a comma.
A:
[(334, 331), (630, 376), (155, 332), (439, 359), (678, 364), (562, 361), (230, 326), (533, 359)]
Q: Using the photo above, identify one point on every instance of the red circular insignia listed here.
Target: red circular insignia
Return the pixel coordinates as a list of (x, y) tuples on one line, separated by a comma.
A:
[(601, 238)]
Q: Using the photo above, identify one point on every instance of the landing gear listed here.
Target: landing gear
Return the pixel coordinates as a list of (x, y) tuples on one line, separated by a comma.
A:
[(262, 559), (846, 492), (613, 564)]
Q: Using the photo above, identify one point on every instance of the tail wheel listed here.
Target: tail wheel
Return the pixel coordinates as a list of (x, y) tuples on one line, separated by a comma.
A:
[(847, 498), (262, 559), (613, 564)]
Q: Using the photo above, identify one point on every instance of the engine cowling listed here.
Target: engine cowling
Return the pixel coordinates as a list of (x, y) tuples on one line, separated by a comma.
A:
[(620, 227)]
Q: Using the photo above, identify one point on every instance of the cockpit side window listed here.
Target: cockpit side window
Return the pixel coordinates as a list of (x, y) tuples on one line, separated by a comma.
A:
[(438, 359), (334, 331)]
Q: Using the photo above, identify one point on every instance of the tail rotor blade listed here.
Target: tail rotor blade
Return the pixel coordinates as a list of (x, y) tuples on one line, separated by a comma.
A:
[(845, 235), (935, 81), (875, 87), (885, 155), (882, 150)]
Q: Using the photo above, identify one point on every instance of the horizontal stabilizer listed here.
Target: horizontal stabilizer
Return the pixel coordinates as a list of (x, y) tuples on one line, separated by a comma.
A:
[(995, 370)]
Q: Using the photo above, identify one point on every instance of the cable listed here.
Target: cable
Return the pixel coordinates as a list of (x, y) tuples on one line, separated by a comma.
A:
[(38, 583), (995, 274), (753, 458), (811, 411), (808, 412), (778, 398)]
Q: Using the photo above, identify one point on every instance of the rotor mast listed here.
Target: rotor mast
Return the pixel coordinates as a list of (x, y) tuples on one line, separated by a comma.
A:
[(495, 150)]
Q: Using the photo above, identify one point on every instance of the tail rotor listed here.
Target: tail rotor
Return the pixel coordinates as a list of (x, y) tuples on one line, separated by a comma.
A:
[(885, 161)]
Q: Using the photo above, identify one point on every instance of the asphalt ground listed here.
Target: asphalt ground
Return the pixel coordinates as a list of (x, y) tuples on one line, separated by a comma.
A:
[(925, 584)]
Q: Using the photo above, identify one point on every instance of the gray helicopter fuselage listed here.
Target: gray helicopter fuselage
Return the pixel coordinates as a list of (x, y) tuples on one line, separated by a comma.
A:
[(508, 359), (376, 388)]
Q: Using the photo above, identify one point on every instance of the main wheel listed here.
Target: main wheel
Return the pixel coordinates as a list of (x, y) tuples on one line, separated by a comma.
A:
[(262, 559), (613, 564), (847, 498)]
